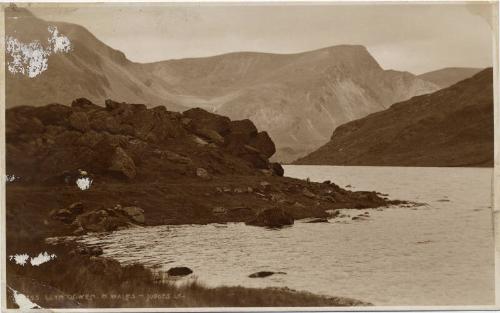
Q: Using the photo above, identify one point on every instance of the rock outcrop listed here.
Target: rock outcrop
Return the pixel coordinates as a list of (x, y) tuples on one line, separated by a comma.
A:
[(46, 143), (83, 220)]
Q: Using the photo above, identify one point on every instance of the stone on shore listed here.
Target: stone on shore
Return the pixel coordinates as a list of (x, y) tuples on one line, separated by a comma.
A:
[(273, 218)]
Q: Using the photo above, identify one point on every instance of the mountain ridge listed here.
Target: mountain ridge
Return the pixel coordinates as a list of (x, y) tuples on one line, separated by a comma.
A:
[(448, 76)]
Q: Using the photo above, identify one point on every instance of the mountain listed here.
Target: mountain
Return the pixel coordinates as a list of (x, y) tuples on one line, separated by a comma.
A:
[(448, 76), (451, 127), (298, 98), (91, 69)]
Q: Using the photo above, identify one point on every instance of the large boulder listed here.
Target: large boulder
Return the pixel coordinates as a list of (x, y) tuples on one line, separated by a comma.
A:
[(101, 120), (79, 121), (122, 163), (277, 169), (63, 215), (90, 138), (264, 144), (210, 134), (273, 218), (102, 221), (254, 157), (28, 125), (84, 104), (245, 127), (136, 214), (53, 114), (200, 119)]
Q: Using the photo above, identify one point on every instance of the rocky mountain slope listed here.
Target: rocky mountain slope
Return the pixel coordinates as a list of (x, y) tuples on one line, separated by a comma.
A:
[(448, 76), (451, 127), (298, 98)]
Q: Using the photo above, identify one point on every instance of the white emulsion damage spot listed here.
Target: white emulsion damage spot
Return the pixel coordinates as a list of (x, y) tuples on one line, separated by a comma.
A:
[(11, 178), (42, 258), (22, 259), (31, 59), (23, 302), (19, 259), (84, 183)]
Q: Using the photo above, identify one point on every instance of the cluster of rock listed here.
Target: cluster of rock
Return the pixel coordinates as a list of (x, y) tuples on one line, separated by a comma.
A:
[(126, 140), (98, 220)]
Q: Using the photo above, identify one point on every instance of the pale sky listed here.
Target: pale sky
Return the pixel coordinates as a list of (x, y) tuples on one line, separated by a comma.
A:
[(408, 37)]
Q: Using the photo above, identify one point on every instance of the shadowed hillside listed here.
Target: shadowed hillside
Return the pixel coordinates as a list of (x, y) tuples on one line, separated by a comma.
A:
[(451, 127)]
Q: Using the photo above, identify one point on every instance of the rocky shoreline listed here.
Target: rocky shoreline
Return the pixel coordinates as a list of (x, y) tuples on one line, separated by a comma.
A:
[(87, 168)]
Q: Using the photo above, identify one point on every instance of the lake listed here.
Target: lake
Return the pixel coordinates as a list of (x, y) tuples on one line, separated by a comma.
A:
[(441, 253)]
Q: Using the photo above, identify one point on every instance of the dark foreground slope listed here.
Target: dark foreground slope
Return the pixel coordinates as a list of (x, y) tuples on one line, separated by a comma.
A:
[(451, 127), (147, 167)]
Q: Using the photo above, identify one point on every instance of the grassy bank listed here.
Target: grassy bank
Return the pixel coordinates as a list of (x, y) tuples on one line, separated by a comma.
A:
[(73, 280)]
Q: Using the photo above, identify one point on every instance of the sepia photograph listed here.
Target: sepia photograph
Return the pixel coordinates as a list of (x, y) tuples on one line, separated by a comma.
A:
[(249, 156)]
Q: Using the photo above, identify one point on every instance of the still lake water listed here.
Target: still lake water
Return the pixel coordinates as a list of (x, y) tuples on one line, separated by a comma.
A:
[(441, 253)]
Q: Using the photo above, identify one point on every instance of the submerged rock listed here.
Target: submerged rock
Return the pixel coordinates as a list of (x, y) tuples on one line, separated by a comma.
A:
[(317, 220), (359, 218), (263, 274)]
